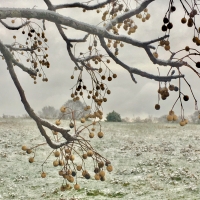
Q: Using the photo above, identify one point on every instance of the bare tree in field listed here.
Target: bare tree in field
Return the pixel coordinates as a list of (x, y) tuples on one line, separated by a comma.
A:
[(105, 40)]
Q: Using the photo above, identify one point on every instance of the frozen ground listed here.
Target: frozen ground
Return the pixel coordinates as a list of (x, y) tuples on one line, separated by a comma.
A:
[(151, 161)]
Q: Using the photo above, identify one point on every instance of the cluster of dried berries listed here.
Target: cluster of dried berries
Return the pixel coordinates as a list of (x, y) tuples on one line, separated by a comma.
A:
[(34, 49), (71, 158)]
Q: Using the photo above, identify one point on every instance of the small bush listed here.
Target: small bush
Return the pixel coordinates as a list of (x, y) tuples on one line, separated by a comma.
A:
[(113, 117)]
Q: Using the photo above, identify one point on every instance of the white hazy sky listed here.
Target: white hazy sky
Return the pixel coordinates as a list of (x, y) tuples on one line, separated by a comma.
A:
[(127, 98)]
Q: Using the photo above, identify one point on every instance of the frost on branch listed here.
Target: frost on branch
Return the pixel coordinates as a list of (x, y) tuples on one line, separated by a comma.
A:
[(118, 21)]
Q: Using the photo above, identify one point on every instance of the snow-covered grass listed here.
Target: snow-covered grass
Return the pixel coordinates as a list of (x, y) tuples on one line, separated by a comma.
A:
[(151, 161)]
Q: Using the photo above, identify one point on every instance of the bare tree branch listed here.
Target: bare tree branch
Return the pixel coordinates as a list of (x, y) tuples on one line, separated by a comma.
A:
[(11, 58), (163, 62), (19, 49), (134, 70), (29, 110), (14, 27), (81, 5)]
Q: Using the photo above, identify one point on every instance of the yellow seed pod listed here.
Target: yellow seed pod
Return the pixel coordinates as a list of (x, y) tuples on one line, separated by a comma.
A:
[(182, 123), (148, 16), (175, 117), (57, 122), (63, 109), (82, 120), (71, 157), (100, 134), (102, 173), (109, 168), (101, 164), (162, 42), (65, 176), (115, 45), (167, 48), (28, 151), (55, 163), (24, 148), (55, 133), (66, 157), (61, 173), (61, 162), (84, 172), (62, 188), (79, 167), (68, 187), (31, 160), (67, 151), (90, 153), (91, 135), (70, 179), (145, 10), (84, 156), (155, 54), (69, 172), (170, 117), (108, 45), (57, 153), (186, 121), (167, 42), (171, 112), (97, 177), (77, 187), (43, 174)]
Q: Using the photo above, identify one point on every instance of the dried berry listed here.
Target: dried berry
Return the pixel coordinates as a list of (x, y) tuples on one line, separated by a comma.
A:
[(185, 97), (165, 20)]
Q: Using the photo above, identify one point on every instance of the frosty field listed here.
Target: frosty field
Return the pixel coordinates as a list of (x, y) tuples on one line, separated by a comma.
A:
[(151, 161)]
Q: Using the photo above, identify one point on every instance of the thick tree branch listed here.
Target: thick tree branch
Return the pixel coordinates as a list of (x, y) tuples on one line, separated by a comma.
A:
[(67, 21)]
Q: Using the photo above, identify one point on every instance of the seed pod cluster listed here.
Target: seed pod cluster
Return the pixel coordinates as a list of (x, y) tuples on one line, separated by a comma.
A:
[(37, 56), (171, 116), (165, 44), (163, 92)]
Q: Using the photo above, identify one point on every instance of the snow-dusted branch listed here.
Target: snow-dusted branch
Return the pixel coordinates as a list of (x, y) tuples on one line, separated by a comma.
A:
[(11, 47), (155, 40), (135, 70), (14, 27), (25, 69), (84, 39), (163, 62), (67, 21)]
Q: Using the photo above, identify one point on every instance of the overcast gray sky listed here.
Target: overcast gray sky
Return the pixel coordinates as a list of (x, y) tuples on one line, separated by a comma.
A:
[(127, 98)]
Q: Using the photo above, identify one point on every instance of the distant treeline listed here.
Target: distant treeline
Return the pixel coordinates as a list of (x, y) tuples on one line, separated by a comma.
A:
[(194, 118), (49, 112)]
